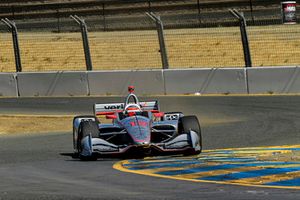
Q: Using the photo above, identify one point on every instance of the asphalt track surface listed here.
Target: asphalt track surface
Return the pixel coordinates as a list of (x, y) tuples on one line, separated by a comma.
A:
[(31, 166)]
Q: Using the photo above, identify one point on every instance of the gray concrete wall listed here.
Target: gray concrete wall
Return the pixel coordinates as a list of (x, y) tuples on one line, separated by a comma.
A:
[(186, 81), (226, 81), (205, 81), (8, 85), (116, 82), (271, 80), (294, 83), (53, 84)]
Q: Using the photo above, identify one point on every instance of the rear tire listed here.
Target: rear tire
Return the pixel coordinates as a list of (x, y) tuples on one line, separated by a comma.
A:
[(187, 123), (87, 128)]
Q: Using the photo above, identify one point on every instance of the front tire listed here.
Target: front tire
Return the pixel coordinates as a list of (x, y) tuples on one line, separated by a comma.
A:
[(76, 123), (187, 123), (90, 129)]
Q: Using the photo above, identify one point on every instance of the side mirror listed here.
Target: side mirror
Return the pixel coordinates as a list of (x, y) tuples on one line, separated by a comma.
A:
[(158, 115), (111, 117)]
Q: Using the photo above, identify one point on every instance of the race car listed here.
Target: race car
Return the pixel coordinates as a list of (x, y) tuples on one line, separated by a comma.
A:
[(137, 129)]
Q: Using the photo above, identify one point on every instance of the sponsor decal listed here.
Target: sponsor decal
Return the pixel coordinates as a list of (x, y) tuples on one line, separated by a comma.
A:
[(290, 8), (114, 107), (140, 123), (289, 12), (138, 128)]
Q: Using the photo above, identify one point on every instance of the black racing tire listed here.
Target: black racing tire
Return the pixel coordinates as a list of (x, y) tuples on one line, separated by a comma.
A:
[(86, 128), (86, 116), (81, 116), (187, 123), (89, 127)]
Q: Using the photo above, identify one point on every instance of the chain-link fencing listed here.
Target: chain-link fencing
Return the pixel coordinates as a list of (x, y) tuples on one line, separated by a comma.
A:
[(277, 45), (197, 34)]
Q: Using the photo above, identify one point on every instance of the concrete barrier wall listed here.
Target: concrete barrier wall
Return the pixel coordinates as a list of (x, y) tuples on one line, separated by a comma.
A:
[(53, 84), (269, 80), (294, 84), (205, 81), (226, 81), (186, 81), (8, 85), (116, 82), (273, 80)]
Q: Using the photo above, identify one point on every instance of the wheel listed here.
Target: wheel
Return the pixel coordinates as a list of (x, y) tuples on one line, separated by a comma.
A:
[(85, 117), (187, 123), (76, 123), (87, 128)]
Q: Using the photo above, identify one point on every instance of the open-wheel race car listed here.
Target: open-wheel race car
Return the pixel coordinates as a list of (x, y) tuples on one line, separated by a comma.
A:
[(137, 129)]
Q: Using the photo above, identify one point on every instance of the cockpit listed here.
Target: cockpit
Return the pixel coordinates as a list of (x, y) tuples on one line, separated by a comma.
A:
[(132, 106)]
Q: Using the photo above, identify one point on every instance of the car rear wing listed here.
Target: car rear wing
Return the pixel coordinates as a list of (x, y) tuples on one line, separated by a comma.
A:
[(109, 108)]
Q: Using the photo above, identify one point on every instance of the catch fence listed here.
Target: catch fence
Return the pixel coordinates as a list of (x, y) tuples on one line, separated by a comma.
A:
[(45, 47)]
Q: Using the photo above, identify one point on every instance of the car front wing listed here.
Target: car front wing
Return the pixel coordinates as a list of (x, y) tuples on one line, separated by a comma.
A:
[(187, 143)]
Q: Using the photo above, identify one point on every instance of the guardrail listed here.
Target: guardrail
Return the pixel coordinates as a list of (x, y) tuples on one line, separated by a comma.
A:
[(262, 80)]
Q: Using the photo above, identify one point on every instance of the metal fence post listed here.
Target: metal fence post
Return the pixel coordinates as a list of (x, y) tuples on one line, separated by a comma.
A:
[(13, 28), (58, 19), (162, 45), (104, 18), (86, 47), (251, 10), (244, 36), (149, 6), (199, 12)]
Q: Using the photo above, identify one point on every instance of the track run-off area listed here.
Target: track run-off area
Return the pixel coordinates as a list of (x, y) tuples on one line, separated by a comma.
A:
[(248, 141)]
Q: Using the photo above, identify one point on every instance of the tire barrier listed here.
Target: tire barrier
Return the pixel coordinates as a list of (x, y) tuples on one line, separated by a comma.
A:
[(271, 80)]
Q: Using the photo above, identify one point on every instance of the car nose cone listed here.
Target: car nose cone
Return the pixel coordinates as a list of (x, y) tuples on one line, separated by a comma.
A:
[(144, 144)]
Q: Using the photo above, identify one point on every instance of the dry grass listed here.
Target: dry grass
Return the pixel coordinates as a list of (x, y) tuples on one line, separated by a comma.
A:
[(211, 47), (31, 124), (34, 124)]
